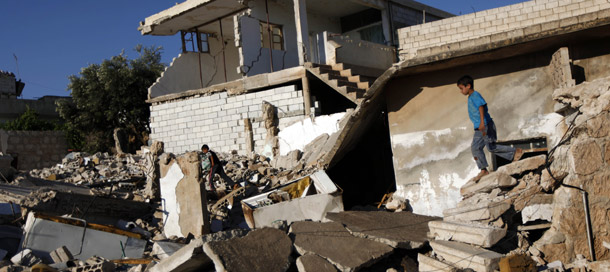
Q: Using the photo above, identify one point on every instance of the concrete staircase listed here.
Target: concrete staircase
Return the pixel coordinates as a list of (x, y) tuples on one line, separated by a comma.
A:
[(340, 79)]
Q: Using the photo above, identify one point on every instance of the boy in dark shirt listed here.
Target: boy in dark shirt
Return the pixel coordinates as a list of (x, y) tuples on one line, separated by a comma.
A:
[(484, 129), (216, 168)]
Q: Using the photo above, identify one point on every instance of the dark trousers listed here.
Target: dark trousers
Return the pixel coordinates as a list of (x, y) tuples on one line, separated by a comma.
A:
[(218, 169)]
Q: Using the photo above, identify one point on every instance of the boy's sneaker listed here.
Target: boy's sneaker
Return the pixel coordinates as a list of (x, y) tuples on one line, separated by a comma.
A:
[(518, 154)]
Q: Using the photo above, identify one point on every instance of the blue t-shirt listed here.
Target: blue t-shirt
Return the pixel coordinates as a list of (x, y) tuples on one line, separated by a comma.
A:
[(475, 100)]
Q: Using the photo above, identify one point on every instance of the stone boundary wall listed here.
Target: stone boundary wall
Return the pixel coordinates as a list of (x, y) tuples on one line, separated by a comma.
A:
[(483, 27), (34, 149), (218, 119)]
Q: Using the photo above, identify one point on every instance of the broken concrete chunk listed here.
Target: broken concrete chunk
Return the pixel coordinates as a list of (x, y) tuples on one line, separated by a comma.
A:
[(314, 263), (164, 249), (188, 258), (519, 167), (486, 211), (318, 195), (334, 243), (430, 264), (261, 250), (191, 256), (488, 183), (25, 258), (475, 234), (466, 256), (400, 229), (540, 207), (95, 264), (61, 255)]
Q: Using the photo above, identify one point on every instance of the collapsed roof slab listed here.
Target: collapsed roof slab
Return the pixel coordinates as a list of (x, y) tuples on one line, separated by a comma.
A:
[(188, 15), (486, 49)]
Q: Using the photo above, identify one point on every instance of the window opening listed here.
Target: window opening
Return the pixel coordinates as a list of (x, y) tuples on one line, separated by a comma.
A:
[(277, 36)]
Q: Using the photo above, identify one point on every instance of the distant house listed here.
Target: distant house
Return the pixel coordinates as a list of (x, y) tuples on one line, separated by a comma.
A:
[(11, 106)]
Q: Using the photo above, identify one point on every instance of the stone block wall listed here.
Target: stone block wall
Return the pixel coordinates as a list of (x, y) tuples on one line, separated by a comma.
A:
[(491, 25), (218, 119), (34, 149)]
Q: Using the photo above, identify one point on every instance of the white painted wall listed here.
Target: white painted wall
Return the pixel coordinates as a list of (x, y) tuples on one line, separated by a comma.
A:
[(299, 134), (183, 73), (254, 59), (169, 201)]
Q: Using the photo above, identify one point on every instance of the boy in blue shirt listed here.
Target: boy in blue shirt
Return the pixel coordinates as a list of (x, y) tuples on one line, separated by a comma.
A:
[(484, 129)]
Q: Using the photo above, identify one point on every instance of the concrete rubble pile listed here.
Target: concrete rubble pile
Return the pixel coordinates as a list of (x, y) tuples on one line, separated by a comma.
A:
[(131, 212), (529, 215)]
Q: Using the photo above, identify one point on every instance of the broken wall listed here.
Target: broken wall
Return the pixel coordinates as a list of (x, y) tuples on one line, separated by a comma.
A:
[(192, 70), (34, 149), (218, 119), (431, 133), (254, 58), (496, 24), (183, 196)]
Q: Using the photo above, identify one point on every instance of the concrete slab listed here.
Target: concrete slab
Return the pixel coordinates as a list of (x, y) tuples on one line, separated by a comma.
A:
[(314, 263), (466, 256), (188, 258), (191, 256), (396, 229), (539, 207), (334, 243), (427, 264), (519, 167), (164, 249), (318, 200), (487, 211), (264, 249), (488, 183), (43, 234), (476, 234)]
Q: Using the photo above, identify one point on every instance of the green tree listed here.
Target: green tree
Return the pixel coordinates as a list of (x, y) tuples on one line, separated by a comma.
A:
[(29, 120), (111, 95)]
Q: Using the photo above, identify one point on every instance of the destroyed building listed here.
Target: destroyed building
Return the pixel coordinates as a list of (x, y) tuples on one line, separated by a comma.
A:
[(542, 65), (303, 57)]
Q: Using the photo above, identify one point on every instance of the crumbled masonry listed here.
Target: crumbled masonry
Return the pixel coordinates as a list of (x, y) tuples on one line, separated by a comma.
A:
[(310, 147)]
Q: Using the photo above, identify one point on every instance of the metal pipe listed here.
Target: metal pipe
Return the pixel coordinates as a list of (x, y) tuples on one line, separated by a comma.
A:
[(269, 33), (585, 202), (222, 40)]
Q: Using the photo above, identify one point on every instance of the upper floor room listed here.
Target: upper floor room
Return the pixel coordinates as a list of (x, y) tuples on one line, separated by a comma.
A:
[(226, 40)]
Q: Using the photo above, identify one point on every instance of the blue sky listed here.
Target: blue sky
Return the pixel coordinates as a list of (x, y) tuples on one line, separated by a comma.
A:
[(55, 39)]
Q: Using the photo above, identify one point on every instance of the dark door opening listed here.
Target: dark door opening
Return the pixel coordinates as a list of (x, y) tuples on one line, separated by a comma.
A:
[(366, 173)]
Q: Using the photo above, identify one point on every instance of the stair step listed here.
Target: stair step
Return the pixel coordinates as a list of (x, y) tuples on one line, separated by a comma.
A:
[(476, 234), (430, 264), (338, 66), (465, 256), (350, 90)]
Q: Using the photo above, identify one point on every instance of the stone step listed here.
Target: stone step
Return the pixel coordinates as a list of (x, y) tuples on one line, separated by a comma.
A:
[(475, 234), (465, 256), (487, 211), (488, 183), (427, 264)]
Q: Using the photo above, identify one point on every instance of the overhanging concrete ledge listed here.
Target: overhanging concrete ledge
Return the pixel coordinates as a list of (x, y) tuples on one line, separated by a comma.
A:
[(189, 14)]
